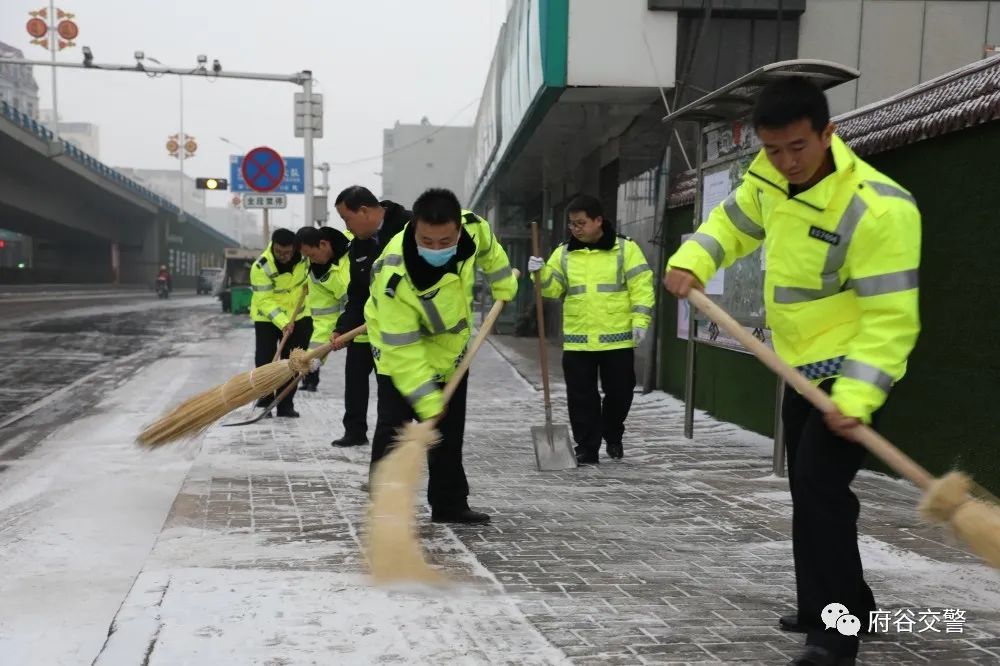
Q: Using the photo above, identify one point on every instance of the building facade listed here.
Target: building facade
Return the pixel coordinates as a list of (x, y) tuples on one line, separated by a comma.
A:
[(17, 83), (420, 156)]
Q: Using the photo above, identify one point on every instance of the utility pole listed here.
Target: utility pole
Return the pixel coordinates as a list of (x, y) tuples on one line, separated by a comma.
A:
[(307, 139), (53, 43), (313, 104)]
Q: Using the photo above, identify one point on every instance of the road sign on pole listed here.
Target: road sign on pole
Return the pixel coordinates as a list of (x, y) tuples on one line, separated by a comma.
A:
[(292, 183), (263, 169)]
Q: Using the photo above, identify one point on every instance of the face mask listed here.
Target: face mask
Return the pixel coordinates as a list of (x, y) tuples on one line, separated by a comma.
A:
[(437, 258)]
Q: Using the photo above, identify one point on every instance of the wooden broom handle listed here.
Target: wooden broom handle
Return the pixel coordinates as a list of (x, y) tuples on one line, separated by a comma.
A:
[(871, 440), (477, 342), (295, 316), (543, 348), (323, 350)]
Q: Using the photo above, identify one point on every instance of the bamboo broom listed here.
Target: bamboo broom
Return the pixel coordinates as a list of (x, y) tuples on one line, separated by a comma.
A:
[(197, 413), (948, 499), (394, 552), (284, 339)]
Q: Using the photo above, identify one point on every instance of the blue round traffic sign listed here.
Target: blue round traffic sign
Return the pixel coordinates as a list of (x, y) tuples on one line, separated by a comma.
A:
[(263, 169)]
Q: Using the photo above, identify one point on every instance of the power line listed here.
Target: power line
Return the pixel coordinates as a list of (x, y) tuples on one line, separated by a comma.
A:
[(408, 145)]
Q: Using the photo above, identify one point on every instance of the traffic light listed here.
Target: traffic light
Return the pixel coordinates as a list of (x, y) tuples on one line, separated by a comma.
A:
[(211, 183)]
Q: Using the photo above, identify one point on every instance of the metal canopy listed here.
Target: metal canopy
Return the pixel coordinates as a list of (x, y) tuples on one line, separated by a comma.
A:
[(735, 99)]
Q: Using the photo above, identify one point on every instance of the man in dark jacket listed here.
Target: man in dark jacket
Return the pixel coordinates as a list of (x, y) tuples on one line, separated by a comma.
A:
[(373, 224)]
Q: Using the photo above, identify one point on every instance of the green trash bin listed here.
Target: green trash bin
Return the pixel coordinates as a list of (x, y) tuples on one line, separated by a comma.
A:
[(240, 300)]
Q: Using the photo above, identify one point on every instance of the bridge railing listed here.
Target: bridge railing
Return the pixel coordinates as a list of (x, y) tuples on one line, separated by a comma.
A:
[(31, 125)]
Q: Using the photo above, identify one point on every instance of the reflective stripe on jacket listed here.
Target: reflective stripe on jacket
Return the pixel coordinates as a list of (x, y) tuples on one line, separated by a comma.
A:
[(841, 282), (607, 292), (419, 335), (276, 294)]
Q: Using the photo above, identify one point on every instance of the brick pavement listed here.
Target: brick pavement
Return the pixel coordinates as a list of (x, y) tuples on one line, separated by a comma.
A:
[(680, 553)]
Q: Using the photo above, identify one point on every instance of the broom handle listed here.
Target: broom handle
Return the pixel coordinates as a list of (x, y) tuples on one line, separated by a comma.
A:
[(871, 440), (323, 350), (295, 316), (477, 342)]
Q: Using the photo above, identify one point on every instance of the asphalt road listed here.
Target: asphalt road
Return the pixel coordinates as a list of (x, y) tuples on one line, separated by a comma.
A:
[(62, 351)]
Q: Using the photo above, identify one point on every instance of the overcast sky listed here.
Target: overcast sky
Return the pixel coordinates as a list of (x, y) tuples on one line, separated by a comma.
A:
[(376, 61)]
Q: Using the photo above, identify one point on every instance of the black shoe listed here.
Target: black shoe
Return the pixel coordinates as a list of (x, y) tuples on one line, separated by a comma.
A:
[(467, 516), (348, 440), (311, 388), (815, 655), (288, 413), (587, 459), (265, 402), (791, 623), (615, 450)]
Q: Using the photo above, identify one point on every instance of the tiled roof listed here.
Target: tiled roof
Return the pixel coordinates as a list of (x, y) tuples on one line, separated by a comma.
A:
[(963, 98)]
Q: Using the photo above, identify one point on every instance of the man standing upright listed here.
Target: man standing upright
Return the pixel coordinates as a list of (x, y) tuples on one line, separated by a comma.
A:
[(608, 290), (277, 279), (373, 224), (843, 251)]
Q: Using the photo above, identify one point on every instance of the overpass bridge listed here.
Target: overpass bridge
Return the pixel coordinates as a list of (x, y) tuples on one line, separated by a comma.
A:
[(88, 222)]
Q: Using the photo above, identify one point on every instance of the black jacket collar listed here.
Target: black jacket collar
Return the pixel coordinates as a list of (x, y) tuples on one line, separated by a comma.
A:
[(338, 242), (606, 241), (395, 219), (425, 276)]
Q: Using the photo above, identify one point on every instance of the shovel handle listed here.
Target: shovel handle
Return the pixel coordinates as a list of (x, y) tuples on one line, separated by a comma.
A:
[(871, 440), (543, 348)]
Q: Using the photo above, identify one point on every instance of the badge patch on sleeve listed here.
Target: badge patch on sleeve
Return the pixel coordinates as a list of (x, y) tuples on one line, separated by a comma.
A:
[(824, 235)]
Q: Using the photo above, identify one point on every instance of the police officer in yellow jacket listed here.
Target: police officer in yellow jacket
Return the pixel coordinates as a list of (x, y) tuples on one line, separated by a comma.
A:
[(842, 248), (608, 290), (326, 249), (419, 318), (277, 279)]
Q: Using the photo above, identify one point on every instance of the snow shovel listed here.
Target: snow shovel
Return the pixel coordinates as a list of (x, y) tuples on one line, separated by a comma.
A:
[(553, 450)]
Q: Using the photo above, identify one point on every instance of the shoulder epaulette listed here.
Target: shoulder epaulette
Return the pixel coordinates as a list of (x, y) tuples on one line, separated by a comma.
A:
[(624, 236), (390, 287), (262, 262), (471, 218)]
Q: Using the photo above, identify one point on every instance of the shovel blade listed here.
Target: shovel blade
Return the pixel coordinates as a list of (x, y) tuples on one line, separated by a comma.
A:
[(553, 450)]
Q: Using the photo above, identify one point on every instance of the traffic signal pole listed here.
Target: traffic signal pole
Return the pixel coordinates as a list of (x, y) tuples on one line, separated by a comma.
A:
[(303, 78)]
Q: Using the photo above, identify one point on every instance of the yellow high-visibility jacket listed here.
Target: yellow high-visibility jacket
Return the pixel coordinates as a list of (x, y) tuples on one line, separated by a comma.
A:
[(842, 258), (326, 298), (419, 317), (275, 294), (608, 291)]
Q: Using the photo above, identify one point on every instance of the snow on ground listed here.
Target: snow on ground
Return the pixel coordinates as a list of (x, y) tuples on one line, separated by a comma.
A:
[(79, 515)]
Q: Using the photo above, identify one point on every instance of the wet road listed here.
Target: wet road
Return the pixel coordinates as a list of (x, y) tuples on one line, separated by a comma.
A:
[(62, 352)]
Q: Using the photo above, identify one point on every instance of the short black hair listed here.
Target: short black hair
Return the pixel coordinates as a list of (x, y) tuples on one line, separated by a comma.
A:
[(283, 237), (786, 101), (437, 206), (311, 236), (356, 196), (585, 203)]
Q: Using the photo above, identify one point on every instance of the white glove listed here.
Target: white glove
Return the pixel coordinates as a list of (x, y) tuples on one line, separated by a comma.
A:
[(535, 264), (314, 365), (638, 335)]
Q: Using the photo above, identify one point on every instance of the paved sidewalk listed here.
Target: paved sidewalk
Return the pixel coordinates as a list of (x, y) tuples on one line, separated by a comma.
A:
[(680, 553)]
